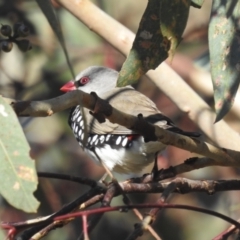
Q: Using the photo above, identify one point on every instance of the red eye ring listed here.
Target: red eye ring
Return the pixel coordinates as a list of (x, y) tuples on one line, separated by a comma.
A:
[(84, 80)]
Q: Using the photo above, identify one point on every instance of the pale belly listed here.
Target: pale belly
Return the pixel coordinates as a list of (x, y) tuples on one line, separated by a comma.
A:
[(131, 160)]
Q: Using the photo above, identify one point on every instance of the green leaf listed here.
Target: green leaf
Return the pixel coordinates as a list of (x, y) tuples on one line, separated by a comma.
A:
[(17, 170), (159, 33), (224, 48), (53, 20), (149, 48), (197, 3)]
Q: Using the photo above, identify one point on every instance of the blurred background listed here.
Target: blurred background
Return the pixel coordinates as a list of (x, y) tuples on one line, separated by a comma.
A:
[(39, 74)]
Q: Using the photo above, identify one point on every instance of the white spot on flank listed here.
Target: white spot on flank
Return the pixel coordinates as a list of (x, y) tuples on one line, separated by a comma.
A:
[(2, 111), (94, 139), (102, 138), (77, 114), (79, 118), (73, 126), (118, 140), (108, 137), (82, 136), (74, 117), (124, 142), (76, 129), (81, 123), (80, 133)]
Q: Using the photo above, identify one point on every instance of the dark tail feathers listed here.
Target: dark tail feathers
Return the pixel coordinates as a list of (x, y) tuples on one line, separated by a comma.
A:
[(180, 131)]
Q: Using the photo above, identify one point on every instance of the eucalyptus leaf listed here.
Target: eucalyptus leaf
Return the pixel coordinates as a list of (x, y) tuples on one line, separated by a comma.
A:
[(159, 33), (224, 45), (17, 173)]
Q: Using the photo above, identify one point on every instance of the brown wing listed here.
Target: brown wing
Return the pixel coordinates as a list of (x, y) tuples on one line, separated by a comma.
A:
[(124, 99)]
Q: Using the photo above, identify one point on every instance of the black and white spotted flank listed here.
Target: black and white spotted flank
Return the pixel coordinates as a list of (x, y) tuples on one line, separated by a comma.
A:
[(97, 140)]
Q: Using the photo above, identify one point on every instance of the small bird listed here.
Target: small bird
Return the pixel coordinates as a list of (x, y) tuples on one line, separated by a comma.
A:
[(120, 149)]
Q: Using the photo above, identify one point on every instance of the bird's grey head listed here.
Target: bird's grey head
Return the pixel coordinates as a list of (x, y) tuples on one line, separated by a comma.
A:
[(96, 79)]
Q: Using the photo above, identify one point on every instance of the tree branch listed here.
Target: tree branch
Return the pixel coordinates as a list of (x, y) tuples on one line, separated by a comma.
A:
[(221, 157)]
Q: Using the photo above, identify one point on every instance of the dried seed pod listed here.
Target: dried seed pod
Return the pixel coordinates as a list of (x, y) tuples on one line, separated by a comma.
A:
[(20, 30), (6, 45), (23, 31), (6, 30)]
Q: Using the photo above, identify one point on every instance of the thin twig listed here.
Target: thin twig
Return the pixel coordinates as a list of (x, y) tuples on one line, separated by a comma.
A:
[(172, 206), (71, 178)]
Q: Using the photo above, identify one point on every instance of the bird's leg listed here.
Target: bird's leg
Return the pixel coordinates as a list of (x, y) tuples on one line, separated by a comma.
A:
[(114, 180), (103, 178)]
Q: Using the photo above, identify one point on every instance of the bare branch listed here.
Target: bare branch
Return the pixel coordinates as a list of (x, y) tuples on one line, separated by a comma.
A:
[(41, 226), (183, 186), (221, 157)]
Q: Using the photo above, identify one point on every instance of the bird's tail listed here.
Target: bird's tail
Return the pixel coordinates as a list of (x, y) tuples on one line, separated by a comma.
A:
[(166, 123), (185, 133)]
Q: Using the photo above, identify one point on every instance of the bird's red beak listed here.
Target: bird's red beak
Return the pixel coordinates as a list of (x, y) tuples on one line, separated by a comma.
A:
[(69, 86)]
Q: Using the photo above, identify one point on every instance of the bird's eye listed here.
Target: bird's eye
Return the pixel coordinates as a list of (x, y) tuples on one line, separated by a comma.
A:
[(82, 81)]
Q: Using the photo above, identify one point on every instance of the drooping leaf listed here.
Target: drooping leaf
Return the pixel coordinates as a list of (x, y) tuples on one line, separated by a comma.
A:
[(17, 172), (53, 20), (149, 48), (224, 45), (159, 33)]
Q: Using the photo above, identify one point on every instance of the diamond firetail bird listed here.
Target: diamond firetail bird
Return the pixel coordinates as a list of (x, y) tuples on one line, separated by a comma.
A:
[(120, 149)]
